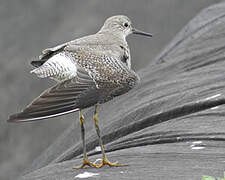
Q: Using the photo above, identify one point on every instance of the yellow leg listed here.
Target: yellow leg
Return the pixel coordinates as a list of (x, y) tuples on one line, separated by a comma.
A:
[(85, 159), (104, 160)]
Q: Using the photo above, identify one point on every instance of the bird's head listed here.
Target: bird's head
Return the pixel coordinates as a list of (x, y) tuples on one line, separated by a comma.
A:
[(121, 25)]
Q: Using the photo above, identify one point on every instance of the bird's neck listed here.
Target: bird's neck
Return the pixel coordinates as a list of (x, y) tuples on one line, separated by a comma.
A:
[(114, 34), (121, 41)]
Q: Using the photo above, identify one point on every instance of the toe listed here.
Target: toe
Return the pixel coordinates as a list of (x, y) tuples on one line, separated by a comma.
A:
[(86, 163), (105, 161)]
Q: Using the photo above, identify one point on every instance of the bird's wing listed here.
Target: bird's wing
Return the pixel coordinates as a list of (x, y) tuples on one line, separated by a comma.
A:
[(60, 66), (48, 53), (103, 65), (99, 78), (63, 98)]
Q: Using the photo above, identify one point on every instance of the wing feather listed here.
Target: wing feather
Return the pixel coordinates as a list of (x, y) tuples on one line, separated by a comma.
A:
[(100, 77), (61, 99)]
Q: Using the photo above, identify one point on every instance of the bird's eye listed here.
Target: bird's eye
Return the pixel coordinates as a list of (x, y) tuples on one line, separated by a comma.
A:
[(125, 24)]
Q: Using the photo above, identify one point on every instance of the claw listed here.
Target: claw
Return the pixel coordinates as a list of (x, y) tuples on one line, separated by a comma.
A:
[(105, 161), (86, 163)]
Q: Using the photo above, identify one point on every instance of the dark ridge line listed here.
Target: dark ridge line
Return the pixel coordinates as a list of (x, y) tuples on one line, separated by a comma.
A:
[(158, 141), (149, 121), (154, 134), (159, 135), (175, 137), (165, 116)]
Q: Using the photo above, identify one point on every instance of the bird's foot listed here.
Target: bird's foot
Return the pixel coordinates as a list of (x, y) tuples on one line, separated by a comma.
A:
[(86, 163), (105, 161)]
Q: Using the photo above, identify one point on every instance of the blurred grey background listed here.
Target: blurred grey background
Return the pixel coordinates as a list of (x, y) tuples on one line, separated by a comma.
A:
[(27, 27)]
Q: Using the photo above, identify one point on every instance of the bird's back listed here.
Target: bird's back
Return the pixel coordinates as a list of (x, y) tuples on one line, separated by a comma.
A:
[(90, 70), (99, 53)]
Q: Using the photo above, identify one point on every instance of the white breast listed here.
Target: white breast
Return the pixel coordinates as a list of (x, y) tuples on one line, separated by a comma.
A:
[(59, 67)]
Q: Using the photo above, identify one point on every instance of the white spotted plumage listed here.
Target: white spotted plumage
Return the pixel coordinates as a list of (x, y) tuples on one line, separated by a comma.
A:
[(59, 67)]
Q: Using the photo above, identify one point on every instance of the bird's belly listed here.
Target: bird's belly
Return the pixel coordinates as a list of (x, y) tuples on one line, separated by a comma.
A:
[(109, 94)]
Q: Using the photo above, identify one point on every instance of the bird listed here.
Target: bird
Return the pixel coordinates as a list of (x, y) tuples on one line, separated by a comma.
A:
[(88, 71)]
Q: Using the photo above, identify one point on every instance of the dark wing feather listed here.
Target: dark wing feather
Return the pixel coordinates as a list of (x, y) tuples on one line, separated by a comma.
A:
[(38, 63), (47, 53), (61, 99), (112, 76)]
